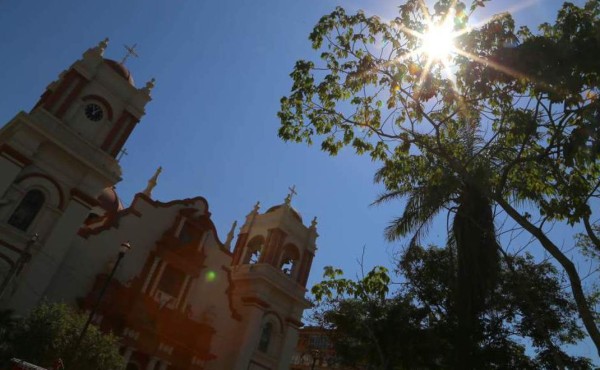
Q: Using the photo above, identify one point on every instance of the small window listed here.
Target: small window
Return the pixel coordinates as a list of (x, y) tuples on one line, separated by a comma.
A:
[(186, 235), (265, 337), (29, 207), (319, 342), (171, 281)]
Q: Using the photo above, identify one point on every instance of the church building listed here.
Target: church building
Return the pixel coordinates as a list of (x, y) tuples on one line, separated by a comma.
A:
[(180, 298)]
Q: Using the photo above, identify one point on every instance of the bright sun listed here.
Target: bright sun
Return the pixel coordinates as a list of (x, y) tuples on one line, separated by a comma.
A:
[(438, 41)]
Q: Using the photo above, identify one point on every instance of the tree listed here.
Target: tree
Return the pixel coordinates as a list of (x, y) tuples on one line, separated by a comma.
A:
[(472, 235), (49, 333), (511, 120), (7, 325), (413, 326)]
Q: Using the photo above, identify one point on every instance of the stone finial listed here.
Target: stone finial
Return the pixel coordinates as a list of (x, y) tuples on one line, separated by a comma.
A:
[(230, 235), (313, 224), (102, 45), (149, 86), (152, 183), (97, 50), (255, 209)]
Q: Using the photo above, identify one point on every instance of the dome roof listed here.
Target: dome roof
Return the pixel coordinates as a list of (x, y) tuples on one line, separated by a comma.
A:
[(109, 200), (120, 69), (295, 213)]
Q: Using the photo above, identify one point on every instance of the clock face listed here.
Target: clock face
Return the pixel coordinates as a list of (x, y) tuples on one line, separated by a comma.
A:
[(93, 112)]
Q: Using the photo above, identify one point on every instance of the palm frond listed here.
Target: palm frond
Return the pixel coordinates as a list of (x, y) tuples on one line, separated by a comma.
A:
[(422, 205), (385, 197)]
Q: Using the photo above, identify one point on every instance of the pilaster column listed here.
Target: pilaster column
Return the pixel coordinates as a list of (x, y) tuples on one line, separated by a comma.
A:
[(11, 163), (152, 363), (183, 292), (159, 273), (273, 244), (150, 274), (127, 354), (248, 341), (239, 248), (305, 268), (288, 346)]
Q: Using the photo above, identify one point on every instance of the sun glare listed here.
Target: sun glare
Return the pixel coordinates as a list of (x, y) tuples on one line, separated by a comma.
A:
[(438, 41)]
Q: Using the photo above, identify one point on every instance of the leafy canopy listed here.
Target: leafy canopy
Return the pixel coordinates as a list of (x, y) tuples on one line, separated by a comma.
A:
[(413, 326), (512, 114), (50, 332)]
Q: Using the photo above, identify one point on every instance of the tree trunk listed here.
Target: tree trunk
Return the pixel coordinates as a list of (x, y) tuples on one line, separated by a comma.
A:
[(477, 269)]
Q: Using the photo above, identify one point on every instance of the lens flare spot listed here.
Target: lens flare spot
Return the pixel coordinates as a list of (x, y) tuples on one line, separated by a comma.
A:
[(210, 276)]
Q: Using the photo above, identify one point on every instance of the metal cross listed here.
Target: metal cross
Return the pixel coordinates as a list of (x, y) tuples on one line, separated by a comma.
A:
[(121, 154), (130, 53), (292, 192)]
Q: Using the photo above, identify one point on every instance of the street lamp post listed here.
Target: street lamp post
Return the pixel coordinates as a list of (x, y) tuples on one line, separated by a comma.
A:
[(316, 354), (312, 356), (14, 270), (125, 247)]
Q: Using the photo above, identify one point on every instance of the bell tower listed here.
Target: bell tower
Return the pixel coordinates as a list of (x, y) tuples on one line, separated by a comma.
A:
[(270, 267), (55, 160), (96, 99)]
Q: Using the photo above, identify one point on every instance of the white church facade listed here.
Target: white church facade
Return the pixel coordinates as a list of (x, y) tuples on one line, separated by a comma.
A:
[(181, 298)]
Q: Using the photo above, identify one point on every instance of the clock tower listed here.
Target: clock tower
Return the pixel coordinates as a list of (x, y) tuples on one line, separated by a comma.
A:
[(55, 161)]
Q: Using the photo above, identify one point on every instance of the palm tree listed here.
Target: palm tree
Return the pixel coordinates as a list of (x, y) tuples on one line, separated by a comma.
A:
[(472, 237)]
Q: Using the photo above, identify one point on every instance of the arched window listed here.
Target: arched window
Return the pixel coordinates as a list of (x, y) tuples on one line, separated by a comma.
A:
[(265, 337), (29, 207)]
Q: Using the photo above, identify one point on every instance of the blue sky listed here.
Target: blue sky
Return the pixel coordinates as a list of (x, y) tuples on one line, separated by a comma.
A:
[(221, 68)]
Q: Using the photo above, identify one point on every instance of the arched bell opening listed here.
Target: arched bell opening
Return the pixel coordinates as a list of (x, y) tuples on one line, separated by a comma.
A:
[(254, 250), (290, 257)]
